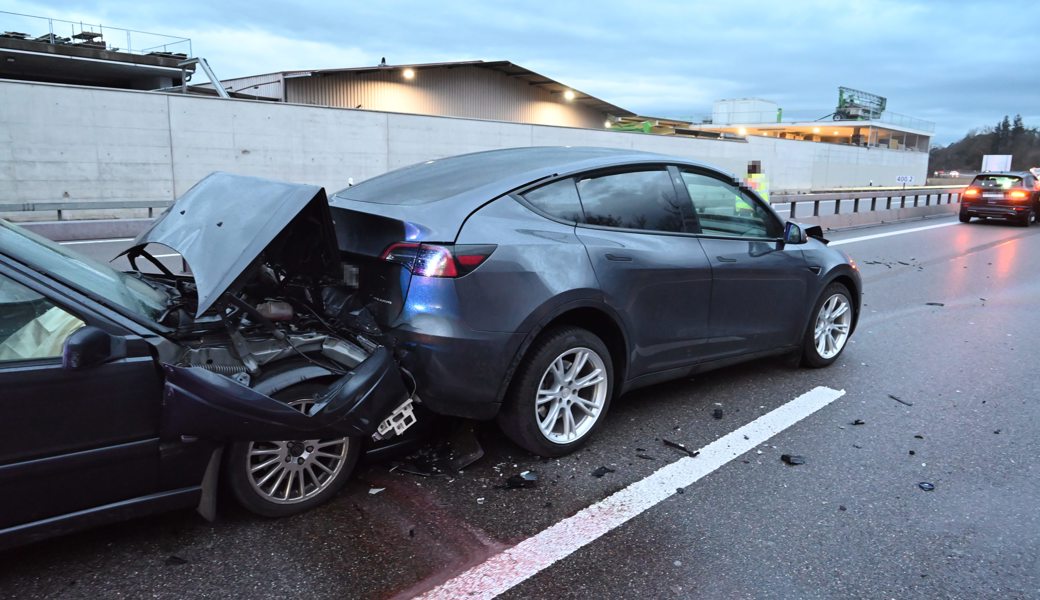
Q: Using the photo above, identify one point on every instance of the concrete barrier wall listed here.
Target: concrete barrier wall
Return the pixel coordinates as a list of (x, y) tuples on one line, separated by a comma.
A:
[(62, 142)]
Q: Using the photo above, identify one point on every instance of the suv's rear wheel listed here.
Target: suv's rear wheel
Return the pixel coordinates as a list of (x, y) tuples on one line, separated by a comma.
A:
[(829, 328), (560, 393), (1028, 218), (282, 478), (964, 218)]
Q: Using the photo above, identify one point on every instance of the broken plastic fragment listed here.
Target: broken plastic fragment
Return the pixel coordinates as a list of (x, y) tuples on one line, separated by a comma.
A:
[(526, 479), (792, 459), (645, 456), (600, 472), (859, 422), (934, 304), (374, 491), (924, 485), (900, 400), (679, 446), (717, 413)]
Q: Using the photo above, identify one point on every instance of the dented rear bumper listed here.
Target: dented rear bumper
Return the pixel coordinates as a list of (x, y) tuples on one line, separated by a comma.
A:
[(197, 402)]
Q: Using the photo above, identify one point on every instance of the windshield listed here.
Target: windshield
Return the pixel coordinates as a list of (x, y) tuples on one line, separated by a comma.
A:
[(96, 279)]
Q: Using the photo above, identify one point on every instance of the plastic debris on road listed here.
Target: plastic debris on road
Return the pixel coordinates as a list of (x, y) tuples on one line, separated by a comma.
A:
[(792, 459), (679, 446), (900, 400), (924, 485), (600, 472), (525, 479), (717, 413)]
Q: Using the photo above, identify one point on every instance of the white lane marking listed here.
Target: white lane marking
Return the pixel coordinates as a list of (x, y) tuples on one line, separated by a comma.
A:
[(515, 565), (890, 233), (108, 241)]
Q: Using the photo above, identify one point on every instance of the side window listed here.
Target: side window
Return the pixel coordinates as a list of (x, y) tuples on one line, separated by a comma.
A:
[(632, 200), (724, 209), (31, 327), (559, 199)]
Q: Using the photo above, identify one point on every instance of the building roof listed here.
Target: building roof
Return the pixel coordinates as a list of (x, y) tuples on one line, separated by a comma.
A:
[(502, 66)]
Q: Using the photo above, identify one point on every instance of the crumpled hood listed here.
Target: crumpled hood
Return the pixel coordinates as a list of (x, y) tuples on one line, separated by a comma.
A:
[(224, 222)]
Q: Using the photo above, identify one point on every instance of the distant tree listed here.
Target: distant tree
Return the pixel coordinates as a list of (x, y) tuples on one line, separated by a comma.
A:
[(1017, 128), (1003, 138)]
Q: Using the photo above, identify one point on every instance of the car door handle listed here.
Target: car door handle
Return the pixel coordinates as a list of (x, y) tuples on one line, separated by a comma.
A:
[(725, 259), (618, 257), (815, 269)]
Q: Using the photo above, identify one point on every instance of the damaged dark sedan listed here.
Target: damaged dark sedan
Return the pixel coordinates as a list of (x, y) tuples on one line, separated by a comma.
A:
[(130, 393)]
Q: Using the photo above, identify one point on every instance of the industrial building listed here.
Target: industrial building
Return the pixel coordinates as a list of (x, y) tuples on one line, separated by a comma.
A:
[(495, 91)]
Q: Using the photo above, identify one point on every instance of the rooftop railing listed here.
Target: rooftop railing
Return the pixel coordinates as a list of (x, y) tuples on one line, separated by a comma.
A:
[(47, 30)]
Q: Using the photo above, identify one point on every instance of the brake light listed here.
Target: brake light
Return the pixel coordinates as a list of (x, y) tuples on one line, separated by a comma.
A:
[(972, 192), (438, 260), (1018, 194)]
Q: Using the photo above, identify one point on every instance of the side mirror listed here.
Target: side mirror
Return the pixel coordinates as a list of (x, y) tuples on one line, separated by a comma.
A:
[(89, 346), (794, 234)]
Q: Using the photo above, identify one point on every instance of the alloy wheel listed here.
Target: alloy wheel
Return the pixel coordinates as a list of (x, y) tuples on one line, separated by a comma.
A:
[(832, 326), (291, 471), (571, 395)]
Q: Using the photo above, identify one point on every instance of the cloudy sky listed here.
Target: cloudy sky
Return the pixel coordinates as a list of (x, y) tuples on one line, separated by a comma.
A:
[(963, 65)]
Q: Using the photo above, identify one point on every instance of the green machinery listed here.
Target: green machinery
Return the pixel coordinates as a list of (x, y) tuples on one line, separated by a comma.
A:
[(856, 105)]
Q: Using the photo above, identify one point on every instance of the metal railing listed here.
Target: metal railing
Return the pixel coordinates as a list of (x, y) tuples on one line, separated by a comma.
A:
[(868, 201), (57, 31), (79, 205)]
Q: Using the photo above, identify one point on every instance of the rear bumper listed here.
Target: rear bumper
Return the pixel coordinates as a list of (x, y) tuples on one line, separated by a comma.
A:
[(460, 374), (999, 211)]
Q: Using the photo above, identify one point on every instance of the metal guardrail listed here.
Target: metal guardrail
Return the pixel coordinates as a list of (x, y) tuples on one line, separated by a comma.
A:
[(889, 199), (61, 207)]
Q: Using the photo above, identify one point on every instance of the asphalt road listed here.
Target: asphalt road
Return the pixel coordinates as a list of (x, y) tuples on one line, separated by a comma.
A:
[(948, 327)]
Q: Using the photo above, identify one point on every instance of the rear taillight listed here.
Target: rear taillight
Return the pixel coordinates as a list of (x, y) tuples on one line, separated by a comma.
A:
[(1018, 194), (972, 192), (438, 260)]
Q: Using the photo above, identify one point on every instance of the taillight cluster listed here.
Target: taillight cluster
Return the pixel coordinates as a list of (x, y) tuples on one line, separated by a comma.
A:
[(438, 260), (1018, 195), (972, 192)]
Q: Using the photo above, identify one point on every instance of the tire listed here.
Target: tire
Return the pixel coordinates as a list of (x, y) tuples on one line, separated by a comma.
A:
[(964, 218), (544, 427), (1028, 219), (323, 465), (822, 325)]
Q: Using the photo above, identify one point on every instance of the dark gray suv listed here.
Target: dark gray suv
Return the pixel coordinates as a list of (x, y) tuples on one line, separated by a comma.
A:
[(535, 284)]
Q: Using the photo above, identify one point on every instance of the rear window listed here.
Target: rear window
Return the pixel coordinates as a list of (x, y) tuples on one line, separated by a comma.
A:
[(997, 182)]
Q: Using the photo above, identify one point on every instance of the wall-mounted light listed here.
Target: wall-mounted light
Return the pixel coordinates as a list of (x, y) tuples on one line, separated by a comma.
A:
[(606, 124), (742, 131), (408, 73), (816, 130), (568, 95), (835, 132)]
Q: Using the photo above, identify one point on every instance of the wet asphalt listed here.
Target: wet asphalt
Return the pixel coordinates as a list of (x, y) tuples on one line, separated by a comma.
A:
[(852, 522)]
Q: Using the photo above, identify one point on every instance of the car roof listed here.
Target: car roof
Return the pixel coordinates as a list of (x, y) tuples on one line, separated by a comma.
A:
[(489, 174), (1005, 174)]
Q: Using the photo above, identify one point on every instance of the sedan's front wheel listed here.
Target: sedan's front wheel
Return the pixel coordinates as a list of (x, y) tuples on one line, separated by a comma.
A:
[(829, 328), (560, 393), (282, 478)]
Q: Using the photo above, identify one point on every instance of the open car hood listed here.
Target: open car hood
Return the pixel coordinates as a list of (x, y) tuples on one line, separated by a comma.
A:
[(225, 222)]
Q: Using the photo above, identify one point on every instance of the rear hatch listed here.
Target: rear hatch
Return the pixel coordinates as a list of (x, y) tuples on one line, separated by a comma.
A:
[(998, 189)]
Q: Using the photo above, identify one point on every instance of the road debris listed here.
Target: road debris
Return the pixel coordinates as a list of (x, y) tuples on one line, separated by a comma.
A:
[(680, 490), (679, 446), (792, 459), (919, 436), (912, 453), (934, 304), (900, 400), (524, 479), (645, 456), (174, 560), (717, 413), (859, 422), (446, 457), (924, 485), (600, 472), (374, 491)]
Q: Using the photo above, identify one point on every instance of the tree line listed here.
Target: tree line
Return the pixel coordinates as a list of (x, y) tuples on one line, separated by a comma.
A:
[(1009, 136)]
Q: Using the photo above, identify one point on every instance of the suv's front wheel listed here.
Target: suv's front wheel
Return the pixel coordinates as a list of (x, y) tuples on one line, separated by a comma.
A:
[(560, 393)]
